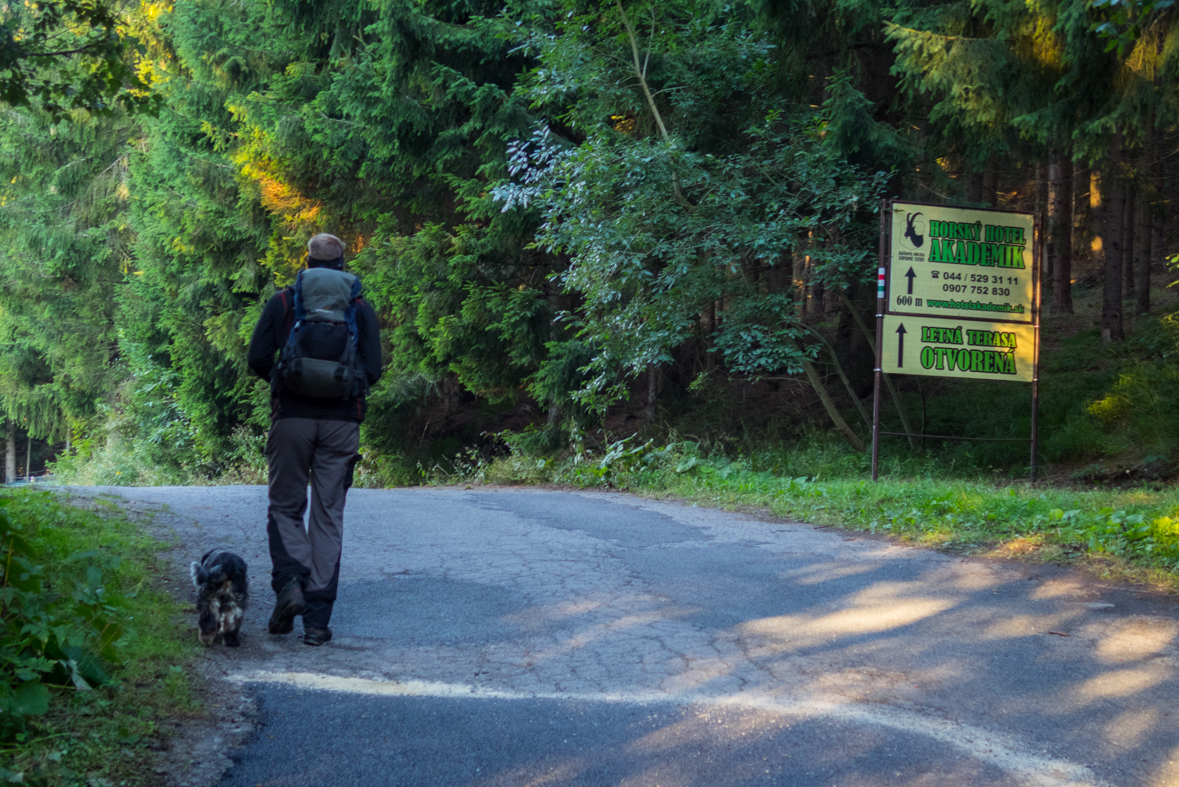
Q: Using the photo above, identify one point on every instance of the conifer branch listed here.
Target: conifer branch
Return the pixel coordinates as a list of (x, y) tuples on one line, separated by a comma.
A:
[(890, 27), (65, 52)]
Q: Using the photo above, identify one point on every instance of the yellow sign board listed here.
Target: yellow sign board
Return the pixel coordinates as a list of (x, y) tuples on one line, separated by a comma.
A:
[(958, 348), (959, 262)]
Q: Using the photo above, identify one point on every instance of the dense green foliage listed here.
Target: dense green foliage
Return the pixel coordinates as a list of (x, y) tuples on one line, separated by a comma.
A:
[(65, 234), (567, 213), (58, 627), (90, 650)]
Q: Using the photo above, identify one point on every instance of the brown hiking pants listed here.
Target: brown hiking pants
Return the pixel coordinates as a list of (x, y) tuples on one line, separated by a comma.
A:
[(324, 452)]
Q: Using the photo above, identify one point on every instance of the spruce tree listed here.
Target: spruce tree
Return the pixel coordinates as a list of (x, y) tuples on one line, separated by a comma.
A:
[(63, 250)]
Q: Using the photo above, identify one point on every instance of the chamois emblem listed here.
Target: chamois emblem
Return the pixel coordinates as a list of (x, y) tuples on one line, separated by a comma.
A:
[(911, 231)]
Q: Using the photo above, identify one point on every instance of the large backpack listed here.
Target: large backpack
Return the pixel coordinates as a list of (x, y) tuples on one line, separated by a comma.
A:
[(320, 358)]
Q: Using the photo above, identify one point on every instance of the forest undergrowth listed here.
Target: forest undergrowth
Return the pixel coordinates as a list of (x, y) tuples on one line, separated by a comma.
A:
[(93, 653)]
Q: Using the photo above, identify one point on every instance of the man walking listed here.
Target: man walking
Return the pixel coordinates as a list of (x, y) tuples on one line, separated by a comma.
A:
[(330, 353)]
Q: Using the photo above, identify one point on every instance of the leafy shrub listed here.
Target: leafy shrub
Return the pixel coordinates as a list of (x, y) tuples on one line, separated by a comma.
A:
[(377, 470), (394, 405), (89, 599), (109, 459), (246, 458), (57, 628), (1125, 533)]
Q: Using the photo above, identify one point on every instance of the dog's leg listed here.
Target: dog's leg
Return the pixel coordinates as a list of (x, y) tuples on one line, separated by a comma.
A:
[(208, 625), (231, 623)]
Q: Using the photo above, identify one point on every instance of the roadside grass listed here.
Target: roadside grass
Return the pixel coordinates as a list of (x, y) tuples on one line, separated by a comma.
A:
[(1127, 534), (99, 575)]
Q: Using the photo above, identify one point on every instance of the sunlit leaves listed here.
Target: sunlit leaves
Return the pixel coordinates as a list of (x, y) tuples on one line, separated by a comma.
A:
[(63, 55)]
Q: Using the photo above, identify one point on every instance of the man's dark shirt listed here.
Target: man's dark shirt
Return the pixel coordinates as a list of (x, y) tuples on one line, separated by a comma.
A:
[(270, 336)]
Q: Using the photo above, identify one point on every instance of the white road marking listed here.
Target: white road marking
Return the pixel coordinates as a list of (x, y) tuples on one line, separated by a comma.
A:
[(998, 750)]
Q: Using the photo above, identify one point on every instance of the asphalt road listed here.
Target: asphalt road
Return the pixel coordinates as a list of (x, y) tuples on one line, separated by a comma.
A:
[(540, 638)]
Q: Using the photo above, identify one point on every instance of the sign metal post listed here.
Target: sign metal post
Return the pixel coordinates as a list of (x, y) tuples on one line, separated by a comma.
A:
[(881, 271), (1042, 265)]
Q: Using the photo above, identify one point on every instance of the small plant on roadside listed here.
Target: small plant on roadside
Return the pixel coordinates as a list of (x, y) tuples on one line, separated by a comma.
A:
[(57, 629)]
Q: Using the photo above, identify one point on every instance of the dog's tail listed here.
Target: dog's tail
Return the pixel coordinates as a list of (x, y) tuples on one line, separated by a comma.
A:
[(202, 576)]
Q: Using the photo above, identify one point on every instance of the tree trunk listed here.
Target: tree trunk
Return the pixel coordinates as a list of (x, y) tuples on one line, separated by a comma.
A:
[(1042, 187), (1142, 254), (851, 391), (1080, 219), (991, 183), (974, 187), (1060, 231), (1144, 248), (1041, 207), (799, 284), (1158, 246), (29, 458), (10, 453), (652, 391), (817, 295), (1111, 301), (1128, 224), (1096, 230), (710, 357), (914, 443)]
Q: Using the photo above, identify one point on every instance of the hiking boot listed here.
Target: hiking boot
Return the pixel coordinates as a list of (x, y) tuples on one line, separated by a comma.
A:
[(289, 604), (316, 636)]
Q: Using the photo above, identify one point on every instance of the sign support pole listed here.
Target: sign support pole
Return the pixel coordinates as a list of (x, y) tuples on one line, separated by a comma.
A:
[(1039, 256), (882, 265)]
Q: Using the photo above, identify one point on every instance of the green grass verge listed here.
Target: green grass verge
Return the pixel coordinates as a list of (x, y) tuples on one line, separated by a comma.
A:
[(1125, 534), (101, 586)]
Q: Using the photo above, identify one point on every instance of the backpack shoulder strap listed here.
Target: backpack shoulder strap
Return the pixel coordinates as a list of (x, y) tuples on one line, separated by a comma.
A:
[(286, 294), (350, 314), (300, 315)]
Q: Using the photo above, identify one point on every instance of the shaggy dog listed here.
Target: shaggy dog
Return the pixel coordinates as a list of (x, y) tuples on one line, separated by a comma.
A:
[(220, 580)]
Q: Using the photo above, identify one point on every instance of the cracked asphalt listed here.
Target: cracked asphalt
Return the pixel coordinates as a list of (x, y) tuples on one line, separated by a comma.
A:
[(490, 637)]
